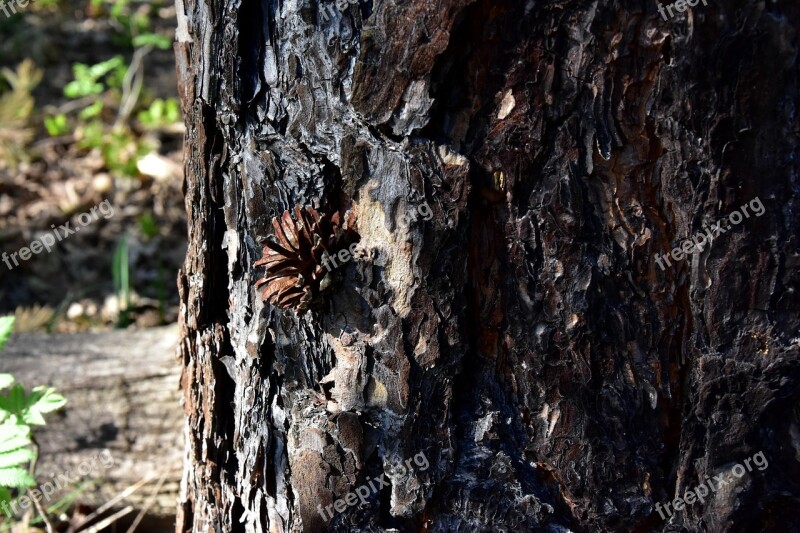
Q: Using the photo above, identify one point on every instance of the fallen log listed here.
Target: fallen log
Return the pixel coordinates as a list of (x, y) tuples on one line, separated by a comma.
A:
[(122, 422)]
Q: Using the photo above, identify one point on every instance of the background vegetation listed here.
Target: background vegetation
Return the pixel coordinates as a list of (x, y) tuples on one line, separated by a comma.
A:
[(88, 112)]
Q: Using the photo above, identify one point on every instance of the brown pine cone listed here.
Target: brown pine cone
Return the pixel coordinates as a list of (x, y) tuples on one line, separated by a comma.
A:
[(295, 262)]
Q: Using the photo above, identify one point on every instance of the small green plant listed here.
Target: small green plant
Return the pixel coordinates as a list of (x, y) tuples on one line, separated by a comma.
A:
[(6, 327), (160, 113), (91, 111), (18, 412), (106, 89), (108, 93), (89, 79), (16, 108), (120, 148), (56, 125), (49, 4), (122, 286), (101, 85), (148, 226), (155, 40), (133, 19)]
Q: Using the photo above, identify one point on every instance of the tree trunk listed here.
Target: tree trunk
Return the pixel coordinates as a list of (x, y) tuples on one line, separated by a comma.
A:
[(121, 423), (520, 336)]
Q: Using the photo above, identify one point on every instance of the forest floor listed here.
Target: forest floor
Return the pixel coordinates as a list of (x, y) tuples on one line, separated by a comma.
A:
[(101, 74)]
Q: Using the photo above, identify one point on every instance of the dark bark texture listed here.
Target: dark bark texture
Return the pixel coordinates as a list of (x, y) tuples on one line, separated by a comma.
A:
[(523, 337)]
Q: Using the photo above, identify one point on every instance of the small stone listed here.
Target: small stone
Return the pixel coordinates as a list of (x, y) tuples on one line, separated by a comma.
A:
[(102, 183), (157, 167), (74, 311), (90, 309)]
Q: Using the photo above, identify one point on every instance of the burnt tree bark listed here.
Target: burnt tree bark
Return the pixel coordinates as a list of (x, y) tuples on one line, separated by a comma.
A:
[(524, 338)]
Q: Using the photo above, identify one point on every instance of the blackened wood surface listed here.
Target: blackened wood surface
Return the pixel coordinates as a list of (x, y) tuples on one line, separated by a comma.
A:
[(524, 339)]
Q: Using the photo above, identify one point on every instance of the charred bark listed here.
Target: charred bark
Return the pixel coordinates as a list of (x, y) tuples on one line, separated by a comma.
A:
[(523, 337)]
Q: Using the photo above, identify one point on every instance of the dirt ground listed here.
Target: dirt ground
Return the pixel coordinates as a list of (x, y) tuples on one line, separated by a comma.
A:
[(71, 288)]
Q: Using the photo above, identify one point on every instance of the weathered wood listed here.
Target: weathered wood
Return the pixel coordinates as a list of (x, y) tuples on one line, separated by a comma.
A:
[(523, 339), (122, 422)]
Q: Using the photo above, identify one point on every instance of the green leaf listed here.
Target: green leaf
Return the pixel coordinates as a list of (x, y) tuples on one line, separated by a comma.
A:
[(92, 110), (119, 272), (117, 8), (16, 458), (159, 41), (14, 401), (148, 225), (116, 78), (91, 135), (56, 125), (13, 436), (101, 69), (157, 109), (50, 400), (140, 22), (81, 88), (80, 70), (34, 418), (87, 78), (160, 113), (5, 499), (6, 380), (173, 112), (16, 477), (15, 444), (42, 400), (6, 327)]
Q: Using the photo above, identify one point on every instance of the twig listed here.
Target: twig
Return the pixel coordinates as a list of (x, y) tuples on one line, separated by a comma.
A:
[(72, 105), (66, 139), (42, 512), (148, 503), (110, 520), (132, 84), (124, 494), (36, 502)]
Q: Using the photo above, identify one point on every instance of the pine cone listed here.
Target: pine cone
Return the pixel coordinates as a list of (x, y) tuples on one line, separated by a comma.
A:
[(295, 262)]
